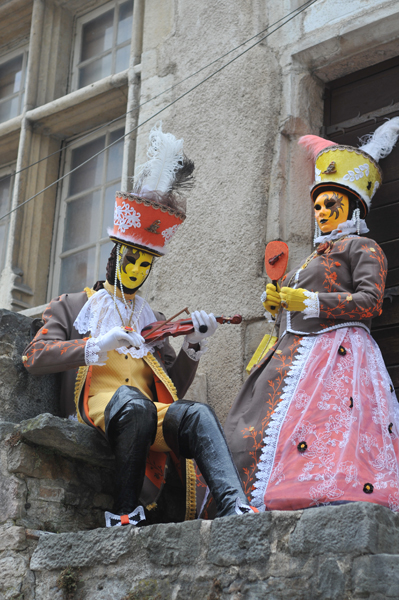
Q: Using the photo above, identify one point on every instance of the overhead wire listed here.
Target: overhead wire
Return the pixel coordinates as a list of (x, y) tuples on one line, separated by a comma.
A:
[(105, 125), (153, 116)]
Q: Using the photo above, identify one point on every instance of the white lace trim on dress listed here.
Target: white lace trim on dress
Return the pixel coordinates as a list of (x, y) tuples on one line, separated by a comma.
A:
[(272, 431), (195, 354), (312, 304), (98, 316)]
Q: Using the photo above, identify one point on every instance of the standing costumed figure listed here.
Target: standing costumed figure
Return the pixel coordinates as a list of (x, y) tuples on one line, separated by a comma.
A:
[(317, 420), (126, 387)]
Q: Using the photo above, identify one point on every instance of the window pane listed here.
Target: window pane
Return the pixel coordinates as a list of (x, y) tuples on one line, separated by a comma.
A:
[(122, 59), (115, 155), (97, 36), (4, 194), (125, 22), (10, 77), (96, 70), (109, 206), (9, 109), (3, 238), (89, 175), (82, 221), (105, 251), (77, 271)]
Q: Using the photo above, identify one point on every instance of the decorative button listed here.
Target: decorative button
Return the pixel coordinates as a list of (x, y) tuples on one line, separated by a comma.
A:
[(390, 388), (390, 427), (126, 380), (44, 330), (341, 351), (368, 488), (351, 402), (302, 446), (126, 356)]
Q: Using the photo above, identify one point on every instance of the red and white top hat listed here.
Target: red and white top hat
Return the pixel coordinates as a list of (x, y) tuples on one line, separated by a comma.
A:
[(149, 217), (144, 223)]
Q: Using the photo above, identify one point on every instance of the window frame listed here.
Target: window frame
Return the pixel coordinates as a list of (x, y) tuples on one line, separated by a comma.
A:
[(5, 58), (80, 22), (63, 199), (5, 171)]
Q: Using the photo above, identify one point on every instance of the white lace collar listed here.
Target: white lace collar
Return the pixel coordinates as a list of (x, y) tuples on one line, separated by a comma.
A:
[(343, 229), (98, 316)]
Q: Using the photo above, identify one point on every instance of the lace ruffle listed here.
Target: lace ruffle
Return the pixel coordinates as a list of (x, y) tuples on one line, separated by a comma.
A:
[(191, 353), (312, 304), (272, 432), (343, 229), (98, 316), (93, 354)]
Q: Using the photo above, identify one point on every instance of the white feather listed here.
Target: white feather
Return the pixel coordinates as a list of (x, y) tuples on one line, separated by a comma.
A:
[(380, 143), (165, 155)]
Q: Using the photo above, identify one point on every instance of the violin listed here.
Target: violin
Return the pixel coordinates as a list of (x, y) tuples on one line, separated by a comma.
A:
[(160, 330)]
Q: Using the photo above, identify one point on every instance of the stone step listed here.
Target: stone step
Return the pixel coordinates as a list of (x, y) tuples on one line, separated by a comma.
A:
[(328, 553)]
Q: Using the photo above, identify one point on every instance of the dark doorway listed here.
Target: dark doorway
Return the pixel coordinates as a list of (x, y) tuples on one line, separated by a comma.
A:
[(354, 106)]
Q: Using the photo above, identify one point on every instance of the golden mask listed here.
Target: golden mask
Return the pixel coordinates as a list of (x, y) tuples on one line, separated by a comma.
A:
[(331, 209), (134, 266)]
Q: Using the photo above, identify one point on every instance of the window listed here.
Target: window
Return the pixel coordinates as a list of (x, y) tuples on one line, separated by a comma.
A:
[(12, 85), (6, 186), (102, 43), (86, 211)]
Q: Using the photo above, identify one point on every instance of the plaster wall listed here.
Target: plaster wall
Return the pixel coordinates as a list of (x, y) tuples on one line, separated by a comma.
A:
[(241, 128)]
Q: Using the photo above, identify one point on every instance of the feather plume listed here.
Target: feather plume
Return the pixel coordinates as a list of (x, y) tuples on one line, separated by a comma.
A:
[(314, 144), (184, 178), (380, 143), (165, 155)]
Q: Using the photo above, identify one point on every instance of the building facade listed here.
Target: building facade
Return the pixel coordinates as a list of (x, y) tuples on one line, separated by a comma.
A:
[(82, 83)]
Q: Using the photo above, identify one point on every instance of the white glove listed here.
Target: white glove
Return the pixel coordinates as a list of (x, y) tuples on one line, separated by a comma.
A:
[(117, 338), (201, 318)]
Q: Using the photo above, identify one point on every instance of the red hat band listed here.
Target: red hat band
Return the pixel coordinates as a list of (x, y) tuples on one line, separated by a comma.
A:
[(144, 223)]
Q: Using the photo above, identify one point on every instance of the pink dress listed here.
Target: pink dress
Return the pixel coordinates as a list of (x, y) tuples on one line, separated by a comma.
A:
[(318, 421)]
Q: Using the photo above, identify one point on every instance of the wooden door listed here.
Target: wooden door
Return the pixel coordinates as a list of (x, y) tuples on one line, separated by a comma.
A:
[(354, 106)]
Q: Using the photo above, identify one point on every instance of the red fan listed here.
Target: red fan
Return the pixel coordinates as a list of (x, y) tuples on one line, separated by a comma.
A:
[(276, 260)]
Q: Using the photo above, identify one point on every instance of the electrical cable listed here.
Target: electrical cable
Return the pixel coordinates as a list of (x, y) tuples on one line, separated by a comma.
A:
[(104, 125), (299, 11)]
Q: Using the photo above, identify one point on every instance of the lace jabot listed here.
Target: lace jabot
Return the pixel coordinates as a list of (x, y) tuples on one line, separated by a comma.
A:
[(99, 315), (343, 229)]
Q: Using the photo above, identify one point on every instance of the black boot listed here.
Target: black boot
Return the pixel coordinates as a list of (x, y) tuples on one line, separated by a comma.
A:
[(131, 426), (192, 430)]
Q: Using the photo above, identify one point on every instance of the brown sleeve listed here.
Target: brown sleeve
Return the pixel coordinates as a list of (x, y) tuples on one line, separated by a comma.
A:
[(369, 269), (182, 369), (52, 350)]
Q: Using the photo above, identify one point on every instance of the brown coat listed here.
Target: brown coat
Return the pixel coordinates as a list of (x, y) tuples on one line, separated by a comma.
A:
[(59, 347)]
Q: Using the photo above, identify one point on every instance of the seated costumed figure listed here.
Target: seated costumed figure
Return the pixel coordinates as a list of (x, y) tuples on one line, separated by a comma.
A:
[(127, 388), (317, 420)]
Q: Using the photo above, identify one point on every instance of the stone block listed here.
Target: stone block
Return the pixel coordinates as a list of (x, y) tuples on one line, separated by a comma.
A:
[(173, 544), (358, 527), (88, 548), (376, 576), (13, 538), (13, 568), (240, 540), (68, 438), (22, 396), (12, 498)]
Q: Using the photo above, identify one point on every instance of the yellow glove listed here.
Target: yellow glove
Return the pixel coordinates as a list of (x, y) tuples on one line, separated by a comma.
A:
[(271, 299), (293, 299)]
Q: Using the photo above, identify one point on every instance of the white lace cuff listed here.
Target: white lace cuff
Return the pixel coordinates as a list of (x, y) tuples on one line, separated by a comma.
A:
[(263, 297), (191, 353), (269, 317), (312, 304), (93, 354)]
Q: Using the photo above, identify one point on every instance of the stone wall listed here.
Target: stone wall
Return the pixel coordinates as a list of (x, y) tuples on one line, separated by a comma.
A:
[(348, 552)]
